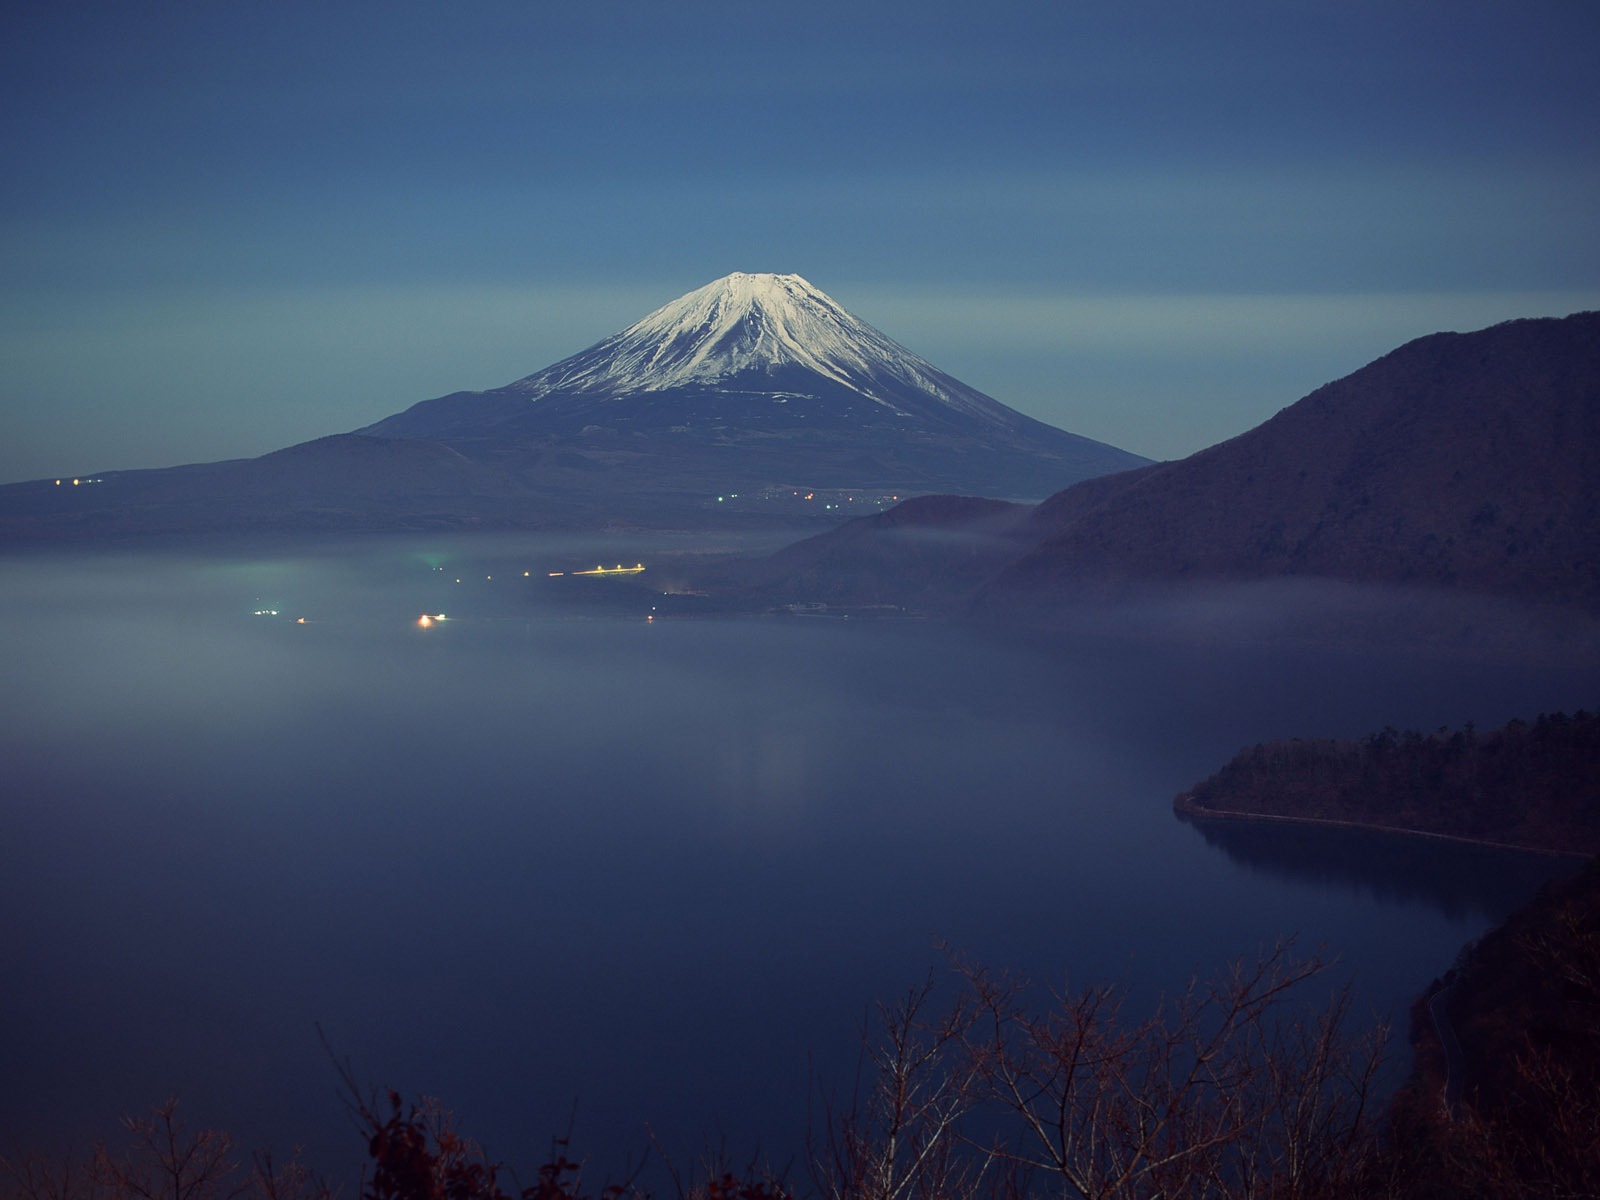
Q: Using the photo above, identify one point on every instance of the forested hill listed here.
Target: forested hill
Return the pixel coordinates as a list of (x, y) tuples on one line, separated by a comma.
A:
[(1521, 1111), (1535, 786)]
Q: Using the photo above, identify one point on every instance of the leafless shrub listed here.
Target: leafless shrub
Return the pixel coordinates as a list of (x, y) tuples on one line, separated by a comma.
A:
[(161, 1159), (1231, 1089), (900, 1138)]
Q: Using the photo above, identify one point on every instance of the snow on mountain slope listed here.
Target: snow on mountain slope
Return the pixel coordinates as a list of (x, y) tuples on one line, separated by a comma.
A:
[(745, 323), (757, 379)]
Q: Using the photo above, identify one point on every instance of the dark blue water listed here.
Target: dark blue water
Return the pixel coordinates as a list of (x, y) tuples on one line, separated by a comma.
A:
[(540, 854)]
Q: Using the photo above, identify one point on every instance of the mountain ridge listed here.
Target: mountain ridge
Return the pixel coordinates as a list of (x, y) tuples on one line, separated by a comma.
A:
[(1458, 463), (1459, 460)]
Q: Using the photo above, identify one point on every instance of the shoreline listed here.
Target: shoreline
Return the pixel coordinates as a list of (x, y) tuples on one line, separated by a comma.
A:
[(1184, 806)]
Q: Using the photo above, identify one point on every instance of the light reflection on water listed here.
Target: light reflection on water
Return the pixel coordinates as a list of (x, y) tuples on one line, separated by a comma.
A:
[(537, 853)]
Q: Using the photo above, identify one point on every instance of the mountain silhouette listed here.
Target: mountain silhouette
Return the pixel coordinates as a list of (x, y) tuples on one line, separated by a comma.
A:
[(1460, 463), (753, 381), (746, 399)]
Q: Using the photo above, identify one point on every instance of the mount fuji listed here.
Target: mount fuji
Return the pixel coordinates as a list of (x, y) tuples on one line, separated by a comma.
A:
[(758, 380), (744, 398)]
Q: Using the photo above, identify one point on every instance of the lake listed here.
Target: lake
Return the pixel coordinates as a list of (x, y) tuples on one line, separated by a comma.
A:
[(546, 853)]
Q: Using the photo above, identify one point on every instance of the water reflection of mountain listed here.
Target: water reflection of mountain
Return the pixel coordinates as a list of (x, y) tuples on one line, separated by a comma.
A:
[(1456, 878)]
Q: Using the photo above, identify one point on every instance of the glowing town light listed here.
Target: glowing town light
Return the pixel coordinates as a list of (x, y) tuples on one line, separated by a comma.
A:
[(424, 621), (619, 569)]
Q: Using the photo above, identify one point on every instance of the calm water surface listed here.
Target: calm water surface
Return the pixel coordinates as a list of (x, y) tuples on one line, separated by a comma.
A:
[(537, 854)]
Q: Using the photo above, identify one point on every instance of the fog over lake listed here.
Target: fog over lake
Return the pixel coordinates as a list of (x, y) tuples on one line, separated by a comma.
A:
[(542, 852)]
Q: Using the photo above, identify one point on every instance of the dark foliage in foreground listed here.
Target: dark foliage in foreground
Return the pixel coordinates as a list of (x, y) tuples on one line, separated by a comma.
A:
[(160, 1159), (1242, 1086), (1235, 1087), (1520, 1117), (1535, 785), (418, 1154)]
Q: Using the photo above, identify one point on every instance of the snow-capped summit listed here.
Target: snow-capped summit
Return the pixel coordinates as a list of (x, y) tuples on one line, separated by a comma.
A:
[(745, 323), (756, 379)]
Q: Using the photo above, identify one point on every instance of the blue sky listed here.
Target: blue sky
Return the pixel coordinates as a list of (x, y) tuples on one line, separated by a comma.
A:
[(229, 227)]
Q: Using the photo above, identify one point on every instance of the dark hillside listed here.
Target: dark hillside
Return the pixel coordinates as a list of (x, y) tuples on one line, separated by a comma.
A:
[(1467, 462), (1511, 1109), (926, 554)]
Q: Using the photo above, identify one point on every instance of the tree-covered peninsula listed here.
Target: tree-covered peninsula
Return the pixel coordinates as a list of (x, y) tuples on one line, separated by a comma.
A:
[(1530, 785)]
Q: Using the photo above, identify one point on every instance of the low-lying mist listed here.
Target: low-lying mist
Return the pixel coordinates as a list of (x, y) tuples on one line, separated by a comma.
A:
[(567, 840)]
